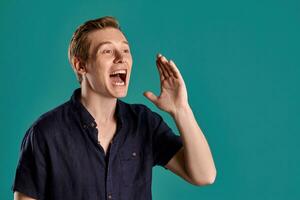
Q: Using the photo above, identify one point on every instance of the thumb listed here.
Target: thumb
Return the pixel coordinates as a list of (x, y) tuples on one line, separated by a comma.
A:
[(152, 97)]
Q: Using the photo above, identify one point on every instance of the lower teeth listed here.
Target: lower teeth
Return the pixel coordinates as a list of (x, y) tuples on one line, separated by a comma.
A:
[(119, 83)]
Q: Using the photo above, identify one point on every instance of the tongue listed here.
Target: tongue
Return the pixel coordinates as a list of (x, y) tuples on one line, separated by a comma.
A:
[(116, 79)]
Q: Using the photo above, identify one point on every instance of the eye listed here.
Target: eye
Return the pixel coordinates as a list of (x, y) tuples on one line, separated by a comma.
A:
[(107, 51), (126, 51)]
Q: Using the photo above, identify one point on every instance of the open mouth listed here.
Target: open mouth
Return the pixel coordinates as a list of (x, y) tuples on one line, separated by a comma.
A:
[(118, 77)]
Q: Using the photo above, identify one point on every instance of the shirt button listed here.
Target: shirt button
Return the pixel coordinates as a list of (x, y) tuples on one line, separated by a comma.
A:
[(133, 154), (109, 196), (92, 124), (84, 126)]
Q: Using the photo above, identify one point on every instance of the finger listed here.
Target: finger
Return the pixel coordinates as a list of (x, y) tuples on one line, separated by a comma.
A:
[(160, 65), (152, 97), (161, 75), (174, 69), (163, 71), (164, 62), (170, 67), (166, 67)]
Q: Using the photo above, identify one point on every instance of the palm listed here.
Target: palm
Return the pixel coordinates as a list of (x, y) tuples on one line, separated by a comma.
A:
[(173, 91)]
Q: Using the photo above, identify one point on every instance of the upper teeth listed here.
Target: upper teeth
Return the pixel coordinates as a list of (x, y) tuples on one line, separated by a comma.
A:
[(121, 71)]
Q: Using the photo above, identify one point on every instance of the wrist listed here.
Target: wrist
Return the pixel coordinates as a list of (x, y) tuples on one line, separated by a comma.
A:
[(183, 110)]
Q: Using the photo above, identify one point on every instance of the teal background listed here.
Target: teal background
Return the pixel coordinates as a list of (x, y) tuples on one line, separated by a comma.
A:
[(240, 61)]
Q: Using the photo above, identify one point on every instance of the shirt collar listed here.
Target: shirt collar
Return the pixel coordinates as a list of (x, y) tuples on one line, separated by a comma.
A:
[(84, 114)]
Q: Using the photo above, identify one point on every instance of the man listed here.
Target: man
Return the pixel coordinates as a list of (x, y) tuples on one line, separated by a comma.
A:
[(96, 146)]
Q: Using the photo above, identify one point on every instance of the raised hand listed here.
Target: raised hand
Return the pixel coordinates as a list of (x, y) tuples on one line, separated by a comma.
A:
[(173, 95)]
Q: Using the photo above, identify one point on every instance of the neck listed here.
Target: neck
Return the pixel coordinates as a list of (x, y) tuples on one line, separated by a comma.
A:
[(100, 107)]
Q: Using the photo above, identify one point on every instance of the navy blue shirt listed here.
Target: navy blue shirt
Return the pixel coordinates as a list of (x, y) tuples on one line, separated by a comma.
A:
[(61, 158)]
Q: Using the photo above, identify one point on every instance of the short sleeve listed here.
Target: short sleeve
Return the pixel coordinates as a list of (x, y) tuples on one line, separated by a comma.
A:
[(165, 144), (30, 177)]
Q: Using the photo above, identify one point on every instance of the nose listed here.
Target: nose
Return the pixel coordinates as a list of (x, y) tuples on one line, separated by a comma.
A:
[(119, 58)]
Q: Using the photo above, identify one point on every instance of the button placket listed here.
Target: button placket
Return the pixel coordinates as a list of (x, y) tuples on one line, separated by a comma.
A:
[(109, 178)]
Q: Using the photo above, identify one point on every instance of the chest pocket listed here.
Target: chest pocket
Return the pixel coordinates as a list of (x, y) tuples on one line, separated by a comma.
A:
[(135, 167)]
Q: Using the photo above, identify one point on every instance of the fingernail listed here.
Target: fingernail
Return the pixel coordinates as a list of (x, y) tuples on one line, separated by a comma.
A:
[(158, 55)]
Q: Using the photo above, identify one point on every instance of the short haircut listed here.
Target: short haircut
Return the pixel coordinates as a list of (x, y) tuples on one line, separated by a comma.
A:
[(79, 45)]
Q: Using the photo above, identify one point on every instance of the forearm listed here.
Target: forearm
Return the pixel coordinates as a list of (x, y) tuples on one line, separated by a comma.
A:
[(21, 196), (199, 163)]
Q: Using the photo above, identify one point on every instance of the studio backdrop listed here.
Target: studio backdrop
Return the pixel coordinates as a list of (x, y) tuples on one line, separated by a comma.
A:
[(240, 61)]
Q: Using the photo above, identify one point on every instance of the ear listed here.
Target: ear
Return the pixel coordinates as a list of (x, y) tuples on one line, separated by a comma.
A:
[(79, 66)]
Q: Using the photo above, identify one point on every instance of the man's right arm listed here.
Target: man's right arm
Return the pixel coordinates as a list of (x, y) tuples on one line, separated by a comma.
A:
[(30, 177), (21, 196)]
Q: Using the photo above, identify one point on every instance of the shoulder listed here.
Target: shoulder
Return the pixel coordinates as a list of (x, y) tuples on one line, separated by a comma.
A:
[(142, 113), (137, 109), (52, 119)]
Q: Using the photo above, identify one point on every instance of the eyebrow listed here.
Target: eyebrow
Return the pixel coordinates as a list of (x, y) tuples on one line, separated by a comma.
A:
[(107, 42)]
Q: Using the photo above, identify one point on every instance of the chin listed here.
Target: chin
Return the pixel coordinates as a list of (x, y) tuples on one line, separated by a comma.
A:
[(119, 94)]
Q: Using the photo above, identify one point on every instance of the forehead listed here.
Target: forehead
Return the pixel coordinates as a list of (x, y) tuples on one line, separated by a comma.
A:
[(109, 34)]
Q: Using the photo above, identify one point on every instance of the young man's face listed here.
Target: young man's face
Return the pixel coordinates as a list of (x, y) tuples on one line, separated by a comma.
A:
[(109, 64)]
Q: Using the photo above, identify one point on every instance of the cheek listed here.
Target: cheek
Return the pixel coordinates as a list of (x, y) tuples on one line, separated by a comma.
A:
[(129, 60), (102, 67), (130, 57)]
